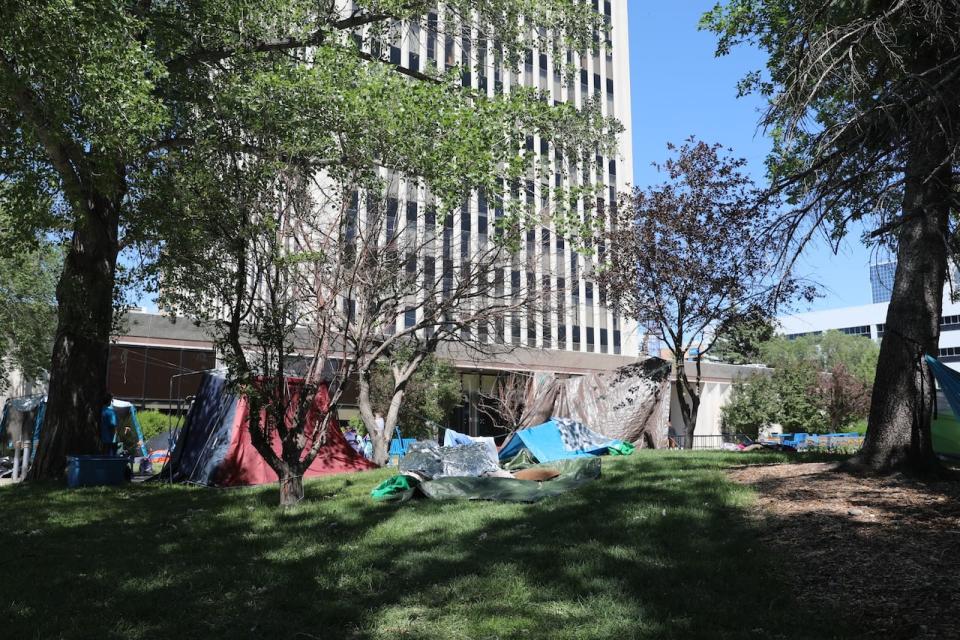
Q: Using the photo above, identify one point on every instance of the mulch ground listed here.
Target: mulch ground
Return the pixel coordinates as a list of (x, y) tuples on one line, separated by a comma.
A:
[(884, 553)]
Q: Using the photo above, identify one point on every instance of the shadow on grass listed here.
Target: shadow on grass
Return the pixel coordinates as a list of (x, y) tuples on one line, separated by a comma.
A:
[(657, 548)]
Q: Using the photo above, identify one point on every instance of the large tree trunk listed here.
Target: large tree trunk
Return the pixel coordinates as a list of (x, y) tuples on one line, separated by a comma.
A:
[(898, 435), (78, 371)]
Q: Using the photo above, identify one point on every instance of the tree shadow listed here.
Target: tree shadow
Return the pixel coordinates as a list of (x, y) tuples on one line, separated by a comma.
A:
[(658, 548)]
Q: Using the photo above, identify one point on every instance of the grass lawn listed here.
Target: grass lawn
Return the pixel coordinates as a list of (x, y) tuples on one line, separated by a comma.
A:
[(657, 548)]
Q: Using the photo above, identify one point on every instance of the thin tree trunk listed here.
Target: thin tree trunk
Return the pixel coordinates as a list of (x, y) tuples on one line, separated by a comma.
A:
[(689, 400), (380, 439), (898, 435), (78, 370), (291, 487)]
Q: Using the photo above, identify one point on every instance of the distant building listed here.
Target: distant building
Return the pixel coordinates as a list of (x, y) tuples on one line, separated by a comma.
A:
[(881, 281), (869, 320)]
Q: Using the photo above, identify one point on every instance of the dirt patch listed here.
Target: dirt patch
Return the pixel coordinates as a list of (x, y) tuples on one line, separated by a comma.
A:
[(885, 552)]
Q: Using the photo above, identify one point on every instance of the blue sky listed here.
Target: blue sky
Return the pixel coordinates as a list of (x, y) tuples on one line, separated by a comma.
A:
[(680, 89)]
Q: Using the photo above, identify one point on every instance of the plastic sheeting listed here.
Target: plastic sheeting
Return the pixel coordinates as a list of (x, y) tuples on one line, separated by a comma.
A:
[(453, 438), (429, 460), (631, 403), (558, 439), (573, 474)]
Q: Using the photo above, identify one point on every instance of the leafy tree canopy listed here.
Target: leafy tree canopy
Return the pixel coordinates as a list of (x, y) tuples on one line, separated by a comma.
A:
[(433, 391), (148, 90), (823, 352), (28, 281), (741, 342)]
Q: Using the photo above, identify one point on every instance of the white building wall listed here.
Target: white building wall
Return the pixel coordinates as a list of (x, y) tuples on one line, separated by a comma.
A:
[(718, 382), (874, 317)]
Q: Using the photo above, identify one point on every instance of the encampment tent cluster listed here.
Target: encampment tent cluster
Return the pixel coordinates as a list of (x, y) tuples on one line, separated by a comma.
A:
[(545, 460), (602, 414)]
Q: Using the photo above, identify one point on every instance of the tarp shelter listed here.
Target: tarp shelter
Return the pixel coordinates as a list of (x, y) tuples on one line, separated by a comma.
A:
[(946, 428), (29, 412), (558, 439), (214, 446), (22, 417), (124, 409), (631, 403)]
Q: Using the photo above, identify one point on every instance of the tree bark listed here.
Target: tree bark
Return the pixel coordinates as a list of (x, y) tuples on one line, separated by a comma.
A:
[(78, 371), (291, 487), (380, 441), (689, 400), (898, 435)]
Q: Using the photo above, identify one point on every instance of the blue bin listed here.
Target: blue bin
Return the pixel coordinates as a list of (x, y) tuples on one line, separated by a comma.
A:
[(97, 471)]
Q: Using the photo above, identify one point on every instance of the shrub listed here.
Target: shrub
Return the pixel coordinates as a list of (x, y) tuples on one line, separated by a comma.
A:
[(785, 397)]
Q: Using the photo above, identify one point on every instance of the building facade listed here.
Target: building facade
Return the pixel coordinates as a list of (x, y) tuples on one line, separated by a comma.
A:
[(578, 320), (881, 281), (868, 320)]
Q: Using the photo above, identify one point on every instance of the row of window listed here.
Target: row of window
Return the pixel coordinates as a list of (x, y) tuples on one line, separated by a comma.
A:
[(497, 328), (947, 323), (466, 62)]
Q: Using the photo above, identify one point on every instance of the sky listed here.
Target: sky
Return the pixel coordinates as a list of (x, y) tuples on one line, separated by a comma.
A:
[(680, 89)]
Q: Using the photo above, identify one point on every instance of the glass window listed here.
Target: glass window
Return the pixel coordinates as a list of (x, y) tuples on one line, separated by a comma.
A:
[(432, 36)]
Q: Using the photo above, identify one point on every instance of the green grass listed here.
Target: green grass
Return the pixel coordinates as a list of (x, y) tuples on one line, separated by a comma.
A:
[(657, 548)]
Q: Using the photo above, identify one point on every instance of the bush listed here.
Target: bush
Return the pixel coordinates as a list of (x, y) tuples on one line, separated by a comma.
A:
[(785, 397), (820, 383), (753, 405), (154, 423)]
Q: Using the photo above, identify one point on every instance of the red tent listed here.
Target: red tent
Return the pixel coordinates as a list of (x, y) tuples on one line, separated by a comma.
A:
[(214, 446)]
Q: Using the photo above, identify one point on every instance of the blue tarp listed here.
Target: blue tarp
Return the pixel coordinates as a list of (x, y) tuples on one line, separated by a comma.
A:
[(398, 447), (557, 439)]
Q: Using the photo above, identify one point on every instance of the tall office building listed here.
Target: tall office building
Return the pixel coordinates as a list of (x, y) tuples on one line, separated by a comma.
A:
[(578, 320), (881, 281)]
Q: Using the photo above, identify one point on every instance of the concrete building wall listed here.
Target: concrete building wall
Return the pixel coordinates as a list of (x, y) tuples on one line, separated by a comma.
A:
[(580, 322), (718, 382)]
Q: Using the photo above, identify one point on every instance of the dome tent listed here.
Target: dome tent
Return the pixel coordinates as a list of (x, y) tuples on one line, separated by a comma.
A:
[(214, 447)]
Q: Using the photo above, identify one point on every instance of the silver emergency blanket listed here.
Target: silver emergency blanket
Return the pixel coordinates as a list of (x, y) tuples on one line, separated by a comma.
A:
[(429, 460), (631, 403), (576, 436)]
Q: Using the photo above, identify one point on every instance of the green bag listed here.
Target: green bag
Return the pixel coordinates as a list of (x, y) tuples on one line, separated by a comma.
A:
[(622, 449), (397, 488)]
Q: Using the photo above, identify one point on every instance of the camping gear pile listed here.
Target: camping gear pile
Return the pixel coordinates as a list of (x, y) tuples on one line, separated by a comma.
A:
[(547, 455), (213, 447), (547, 460)]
